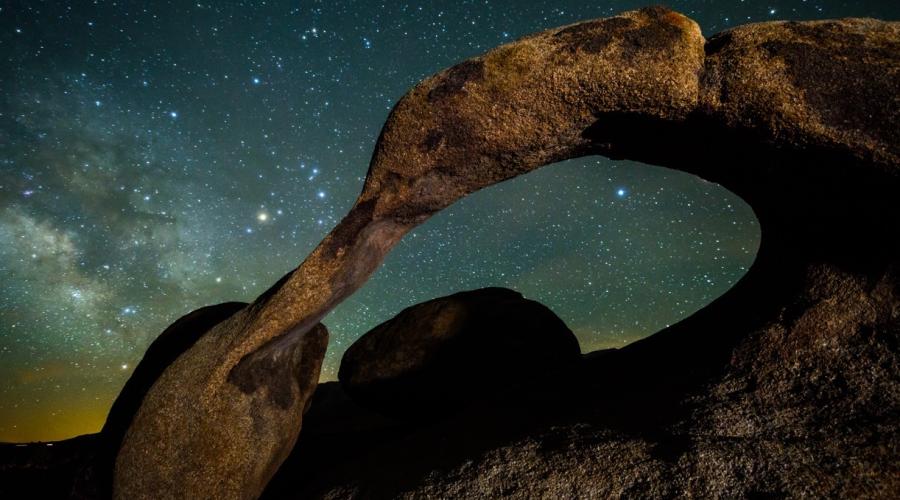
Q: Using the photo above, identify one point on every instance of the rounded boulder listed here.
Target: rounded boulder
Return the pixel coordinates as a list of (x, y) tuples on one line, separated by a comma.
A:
[(439, 355)]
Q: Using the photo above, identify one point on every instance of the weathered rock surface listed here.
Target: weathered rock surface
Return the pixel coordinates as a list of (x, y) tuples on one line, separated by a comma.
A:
[(173, 341), (237, 457), (82, 467), (96, 478), (491, 118), (788, 384), (439, 355)]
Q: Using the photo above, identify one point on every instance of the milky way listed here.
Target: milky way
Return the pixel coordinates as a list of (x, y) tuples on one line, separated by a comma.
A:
[(156, 157)]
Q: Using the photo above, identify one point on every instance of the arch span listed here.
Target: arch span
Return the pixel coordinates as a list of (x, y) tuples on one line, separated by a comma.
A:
[(805, 114)]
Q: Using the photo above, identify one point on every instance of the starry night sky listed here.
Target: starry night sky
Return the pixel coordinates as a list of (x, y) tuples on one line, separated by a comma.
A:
[(156, 157)]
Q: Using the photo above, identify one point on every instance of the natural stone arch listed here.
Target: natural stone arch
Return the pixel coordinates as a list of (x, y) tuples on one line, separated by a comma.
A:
[(806, 108)]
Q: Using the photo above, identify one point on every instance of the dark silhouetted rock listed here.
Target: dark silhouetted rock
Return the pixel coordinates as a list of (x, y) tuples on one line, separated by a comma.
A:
[(438, 355)]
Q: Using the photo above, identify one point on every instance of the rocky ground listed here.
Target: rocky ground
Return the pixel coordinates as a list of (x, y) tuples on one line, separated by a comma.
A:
[(800, 408)]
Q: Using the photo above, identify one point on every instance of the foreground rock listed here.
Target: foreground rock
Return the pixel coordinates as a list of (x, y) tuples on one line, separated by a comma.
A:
[(95, 479), (93, 476), (237, 457), (787, 384), (439, 355)]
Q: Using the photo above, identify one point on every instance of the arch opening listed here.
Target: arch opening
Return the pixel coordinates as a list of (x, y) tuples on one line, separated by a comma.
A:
[(618, 249)]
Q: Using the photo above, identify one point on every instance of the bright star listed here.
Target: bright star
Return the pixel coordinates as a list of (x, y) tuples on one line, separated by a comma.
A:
[(321, 194), (262, 216), (256, 80), (621, 192), (173, 114)]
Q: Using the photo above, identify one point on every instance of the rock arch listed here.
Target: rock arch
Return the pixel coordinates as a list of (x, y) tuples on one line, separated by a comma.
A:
[(800, 119)]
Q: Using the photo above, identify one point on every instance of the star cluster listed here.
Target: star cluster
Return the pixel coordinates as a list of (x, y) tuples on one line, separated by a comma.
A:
[(156, 157)]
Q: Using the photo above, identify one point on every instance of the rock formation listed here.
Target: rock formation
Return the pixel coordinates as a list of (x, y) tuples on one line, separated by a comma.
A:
[(96, 479), (440, 355), (278, 379), (788, 383)]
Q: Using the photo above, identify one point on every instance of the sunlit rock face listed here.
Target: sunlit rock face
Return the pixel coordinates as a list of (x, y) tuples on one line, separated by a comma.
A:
[(786, 384)]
